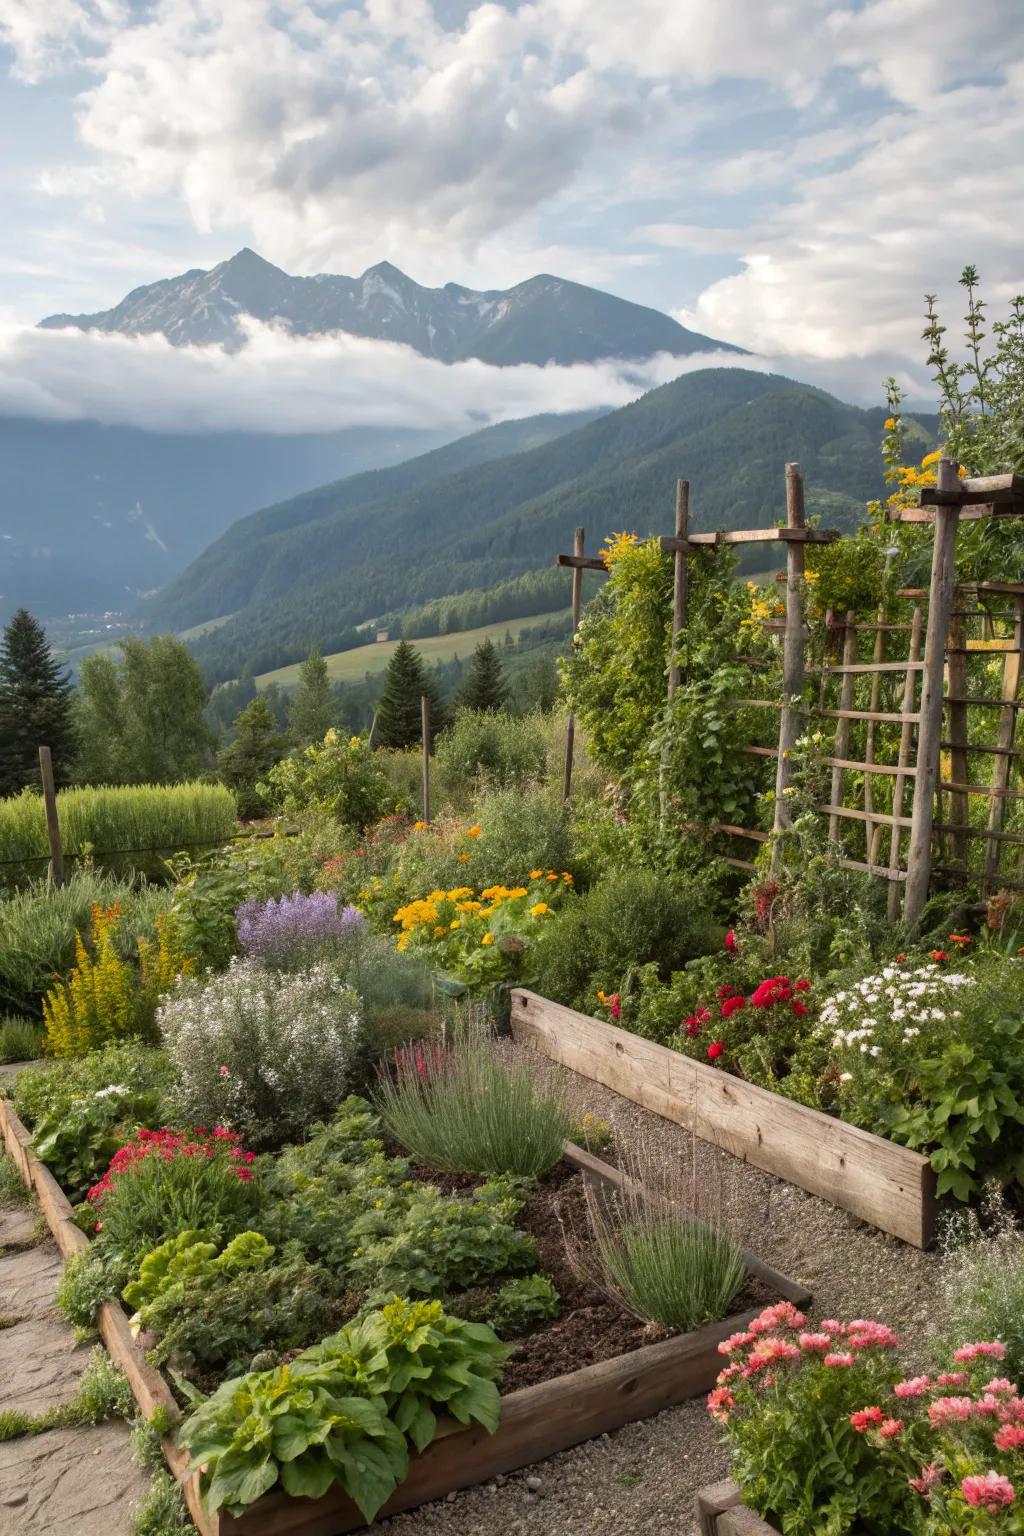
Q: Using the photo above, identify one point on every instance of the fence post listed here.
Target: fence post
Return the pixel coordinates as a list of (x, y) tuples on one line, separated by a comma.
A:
[(792, 653), (52, 824), (680, 579), (929, 732), (577, 608), (425, 733)]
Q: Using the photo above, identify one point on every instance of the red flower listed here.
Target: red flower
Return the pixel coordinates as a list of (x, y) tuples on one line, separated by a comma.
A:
[(615, 1006), (803, 985), (692, 1026), (865, 1418), (938, 954), (726, 990), (732, 1005), (799, 1009), (715, 1050), (730, 941)]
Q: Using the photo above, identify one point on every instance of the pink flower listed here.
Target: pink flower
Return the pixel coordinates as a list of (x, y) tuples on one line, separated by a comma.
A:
[(730, 941), (726, 1374), (830, 1325), (915, 1387), (815, 1343), (866, 1334), (1000, 1384), (839, 1359), (950, 1409), (768, 1349), (987, 1407), (930, 1476), (782, 1314), (719, 1403), (735, 1341), (891, 1429), (990, 1347), (866, 1418), (224, 1071), (715, 1050), (1010, 1437), (992, 1491), (952, 1379)]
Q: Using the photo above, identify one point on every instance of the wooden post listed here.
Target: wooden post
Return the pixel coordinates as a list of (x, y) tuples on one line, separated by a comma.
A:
[(873, 830), (371, 740), (902, 762), (425, 733), (52, 824), (956, 680), (792, 652), (1004, 748), (577, 606), (843, 723), (680, 579), (941, 592)]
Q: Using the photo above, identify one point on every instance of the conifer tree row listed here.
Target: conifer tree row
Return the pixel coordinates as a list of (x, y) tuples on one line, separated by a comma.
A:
[(398, 713), (35, 707)]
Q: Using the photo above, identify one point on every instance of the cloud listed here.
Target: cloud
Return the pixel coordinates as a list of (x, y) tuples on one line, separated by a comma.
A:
[(284, 384)]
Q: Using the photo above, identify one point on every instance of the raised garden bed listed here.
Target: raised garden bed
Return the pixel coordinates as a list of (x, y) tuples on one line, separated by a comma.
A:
[(536, 1421), (890, 1186), (721, 1512)]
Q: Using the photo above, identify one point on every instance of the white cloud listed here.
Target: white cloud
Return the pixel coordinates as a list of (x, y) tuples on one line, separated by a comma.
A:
[(284, 384)]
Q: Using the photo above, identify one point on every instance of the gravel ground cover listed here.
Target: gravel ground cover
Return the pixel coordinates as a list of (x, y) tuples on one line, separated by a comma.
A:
[(641, 1481)]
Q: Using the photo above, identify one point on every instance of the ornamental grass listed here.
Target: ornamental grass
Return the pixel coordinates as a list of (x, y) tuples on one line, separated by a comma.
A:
[(473, 1107)]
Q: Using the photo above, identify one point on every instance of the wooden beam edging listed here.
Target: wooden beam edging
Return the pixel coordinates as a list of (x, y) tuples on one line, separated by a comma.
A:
[(536, 1422), (889, 1186), (721, 1512), (149, 1388)]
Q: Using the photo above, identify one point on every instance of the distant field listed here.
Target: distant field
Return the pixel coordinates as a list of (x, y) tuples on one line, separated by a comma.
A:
[(206, 628), (353, 666)]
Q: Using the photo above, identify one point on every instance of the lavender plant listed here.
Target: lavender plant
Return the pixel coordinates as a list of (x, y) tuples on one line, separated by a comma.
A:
[(265, 1052), (292, 932)]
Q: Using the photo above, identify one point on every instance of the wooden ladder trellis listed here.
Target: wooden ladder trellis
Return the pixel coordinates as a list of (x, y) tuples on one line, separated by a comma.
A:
[(933, 679)]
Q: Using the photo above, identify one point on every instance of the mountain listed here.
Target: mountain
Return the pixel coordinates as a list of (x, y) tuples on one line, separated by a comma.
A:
[(545, 319), (93, 517), (309, 570)]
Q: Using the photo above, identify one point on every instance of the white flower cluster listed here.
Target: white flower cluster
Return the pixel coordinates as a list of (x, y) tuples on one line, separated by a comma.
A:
[(264, 1052), (896, 1004)]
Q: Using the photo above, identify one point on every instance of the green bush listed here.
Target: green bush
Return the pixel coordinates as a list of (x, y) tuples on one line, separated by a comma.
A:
[(524, 1304), (338, 777), (20, 1040), (982, 1284), (520, 830), (472, 1111), (39, 922), (501, 749), (123, 829), (53, 1089), (629, 919)]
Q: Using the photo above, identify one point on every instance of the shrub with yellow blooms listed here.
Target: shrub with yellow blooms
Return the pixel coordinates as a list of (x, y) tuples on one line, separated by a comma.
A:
[(106, 998), (484, 937)]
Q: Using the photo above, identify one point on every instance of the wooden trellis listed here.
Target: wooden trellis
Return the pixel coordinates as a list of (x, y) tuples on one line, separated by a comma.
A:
[(916, 677)]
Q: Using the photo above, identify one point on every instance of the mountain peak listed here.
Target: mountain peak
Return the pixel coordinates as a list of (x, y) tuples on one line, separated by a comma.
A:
[(248, 260)]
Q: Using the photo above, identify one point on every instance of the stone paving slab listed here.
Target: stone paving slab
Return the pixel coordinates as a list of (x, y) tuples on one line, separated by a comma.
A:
[(28, 1280), (40, 1365), (19, 1228), (70, 1482)]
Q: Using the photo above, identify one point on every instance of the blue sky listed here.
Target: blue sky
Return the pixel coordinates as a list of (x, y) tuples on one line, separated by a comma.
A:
[(790, 175)]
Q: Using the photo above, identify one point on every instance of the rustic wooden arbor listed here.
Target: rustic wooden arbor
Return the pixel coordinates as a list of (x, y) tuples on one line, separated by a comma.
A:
[(931, 760)]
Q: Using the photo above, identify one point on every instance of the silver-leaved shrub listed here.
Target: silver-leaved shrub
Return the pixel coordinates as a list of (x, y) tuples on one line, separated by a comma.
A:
[(263, 1052)]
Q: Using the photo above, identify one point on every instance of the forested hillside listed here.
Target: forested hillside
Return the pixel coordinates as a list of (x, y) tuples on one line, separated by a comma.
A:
[(308, 571)]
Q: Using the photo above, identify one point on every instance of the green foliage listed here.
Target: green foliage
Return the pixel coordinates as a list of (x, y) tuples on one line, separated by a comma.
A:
[(12, 1190), (484, 687), (982, 1283), (520, 829), (20, 1039), (343, 1413), (982, 397), (76, 1139), (83, 1286), (53, 1088), (163, 1511), (340, 777), (311, 710), (524, 1304), (846, 576), (140, 718), (498, 748), (257, 745), (123, 829), (35, 707), (103, 1393), (473, 1110), (680, 1273), (406, 682)]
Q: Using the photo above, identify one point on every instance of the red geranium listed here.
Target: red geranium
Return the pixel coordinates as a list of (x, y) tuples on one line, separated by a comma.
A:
[(715, 1050), (730, 942), (733, 1005), (170, 1145)]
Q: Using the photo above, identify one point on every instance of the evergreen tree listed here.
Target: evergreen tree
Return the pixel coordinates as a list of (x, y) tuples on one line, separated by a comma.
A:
[(258, 745), (484, 687), (312, 711), (35, 706), (398, 713)]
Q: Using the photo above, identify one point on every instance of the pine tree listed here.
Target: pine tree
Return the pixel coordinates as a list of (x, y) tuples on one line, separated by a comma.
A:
[(312, 709), (398, 713), (485, 687), (258, 745), (35, 706)]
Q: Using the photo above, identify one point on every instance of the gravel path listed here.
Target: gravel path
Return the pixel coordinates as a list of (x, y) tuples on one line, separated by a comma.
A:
[(641, 1481)]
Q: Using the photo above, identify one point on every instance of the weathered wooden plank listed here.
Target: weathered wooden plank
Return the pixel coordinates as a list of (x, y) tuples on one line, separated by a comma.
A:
[(842, 738), (743, 1522), (852, 813), (885, 1184), (581, 563), (792, 535), (712, 1502), (997, 489), (792, 658), (886, 716)]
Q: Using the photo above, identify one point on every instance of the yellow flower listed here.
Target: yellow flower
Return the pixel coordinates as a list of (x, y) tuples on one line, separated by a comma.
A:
[(488, 938), (419, 826), (473, 831), (551, 875), (454, 923), (618, 544), (463, 858), (535, 874), (540, 909), (567, 878), (439, 933), (889, 423)]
